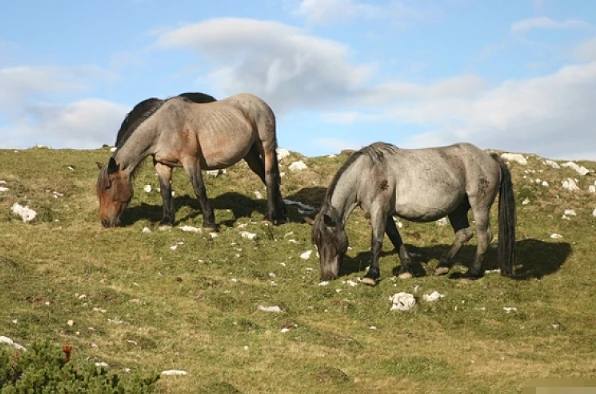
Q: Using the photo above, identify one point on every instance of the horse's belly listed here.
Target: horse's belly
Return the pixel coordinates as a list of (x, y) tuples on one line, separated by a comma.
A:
[(421, 210)]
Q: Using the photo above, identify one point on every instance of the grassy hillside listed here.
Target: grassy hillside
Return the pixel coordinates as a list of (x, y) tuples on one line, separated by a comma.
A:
[(164, 300)]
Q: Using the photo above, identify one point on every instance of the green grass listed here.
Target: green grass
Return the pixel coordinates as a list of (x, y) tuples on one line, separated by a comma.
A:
[(138, 304)]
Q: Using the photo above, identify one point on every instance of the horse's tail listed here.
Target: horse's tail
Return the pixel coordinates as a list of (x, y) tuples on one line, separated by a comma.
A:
[(507, 219)]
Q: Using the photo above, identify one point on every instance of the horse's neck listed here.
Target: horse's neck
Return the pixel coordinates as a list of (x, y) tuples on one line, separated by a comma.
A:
[(345, 194), (138, 146)]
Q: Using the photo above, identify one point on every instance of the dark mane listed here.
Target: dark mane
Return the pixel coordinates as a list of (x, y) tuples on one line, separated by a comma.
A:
[(146, 108), (141, 118), (376, 153)]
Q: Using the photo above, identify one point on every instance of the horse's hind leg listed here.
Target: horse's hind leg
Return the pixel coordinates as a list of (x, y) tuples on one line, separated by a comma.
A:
[(405, 272), (255, 163), (193, 169), (276, 210), (463, 233), (165, 189), (484, 236)]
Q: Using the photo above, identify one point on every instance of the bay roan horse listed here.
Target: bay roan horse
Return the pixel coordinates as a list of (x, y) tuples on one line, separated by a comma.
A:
[(418, 185), (196, 136)]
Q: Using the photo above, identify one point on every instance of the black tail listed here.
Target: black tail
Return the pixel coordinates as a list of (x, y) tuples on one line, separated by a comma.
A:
[(507, 219)]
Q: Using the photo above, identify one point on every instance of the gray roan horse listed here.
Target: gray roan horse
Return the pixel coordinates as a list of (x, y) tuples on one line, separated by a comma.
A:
[(180, 133), (418, 185)]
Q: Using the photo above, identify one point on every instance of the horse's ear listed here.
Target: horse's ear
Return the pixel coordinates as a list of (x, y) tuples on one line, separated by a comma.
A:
[(113, 166), (99, 165), (329, 222)]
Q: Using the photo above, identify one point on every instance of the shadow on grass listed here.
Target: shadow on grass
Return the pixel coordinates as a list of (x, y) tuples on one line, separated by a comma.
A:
[(535, 258)]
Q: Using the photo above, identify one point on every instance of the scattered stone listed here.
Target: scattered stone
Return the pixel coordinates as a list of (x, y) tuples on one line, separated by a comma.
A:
[(323, 283), (190, 229), (3, 189), (579, 169), (351, 283), (101, 364), (272, 309), (147, 188), (568, 212), (442, 222), (372, 327), (284, 330), (258, 195), (297, 166), (553, 164), (146, 230), (306, 255), (70, 323), (213, 235), (526, 201), (113, 149), (509, 309), (248, 235), (26, 213), (569, 184), (432, 297), (594, 213), (216, 173), (174, 372), (402, 301), (592, 189), (545, 183), (12, 343), (556, 236), (282, 153), (519, 158)]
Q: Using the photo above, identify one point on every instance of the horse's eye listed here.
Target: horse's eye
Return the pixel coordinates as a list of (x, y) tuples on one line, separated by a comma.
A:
[(108, 186)]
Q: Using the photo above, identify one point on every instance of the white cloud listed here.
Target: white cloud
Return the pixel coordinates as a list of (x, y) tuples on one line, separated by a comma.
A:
[(546, 23), (552, 114), (283, 64), (586, 50), (84, 124)]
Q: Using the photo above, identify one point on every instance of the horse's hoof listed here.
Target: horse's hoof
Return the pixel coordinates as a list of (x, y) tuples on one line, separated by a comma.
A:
[(369, 281), (441, 270), (165, 227), (405, 275)]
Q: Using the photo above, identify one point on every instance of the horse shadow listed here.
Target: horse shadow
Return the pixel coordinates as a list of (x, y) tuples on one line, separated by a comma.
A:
[(240, 205), (534, 259)]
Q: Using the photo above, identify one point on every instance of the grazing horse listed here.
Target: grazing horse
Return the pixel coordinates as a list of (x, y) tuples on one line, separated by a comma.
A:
[(418, 185), (180, 133), (148, 104)]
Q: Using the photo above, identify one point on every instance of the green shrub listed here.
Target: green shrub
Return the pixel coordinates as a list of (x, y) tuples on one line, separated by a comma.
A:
[(43, 368)]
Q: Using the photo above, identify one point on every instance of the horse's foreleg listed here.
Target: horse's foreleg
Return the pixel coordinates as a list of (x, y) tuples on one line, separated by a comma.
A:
[(194, 172), (405, 272), (276, 209), (463, 233), (165, 189), (378, 222)]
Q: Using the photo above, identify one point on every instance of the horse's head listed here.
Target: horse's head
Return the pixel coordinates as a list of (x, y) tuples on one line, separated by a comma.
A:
[(329, 236), (114, 190)]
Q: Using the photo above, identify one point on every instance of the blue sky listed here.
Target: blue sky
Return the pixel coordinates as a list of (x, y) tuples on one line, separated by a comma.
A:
[(519, 76)]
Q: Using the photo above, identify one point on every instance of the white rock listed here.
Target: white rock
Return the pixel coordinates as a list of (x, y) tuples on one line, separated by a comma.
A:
[(12, 343), (331, 156), (113, 149), (258, 195), (174, 372), (285, 329), (282, 153), (515, 157), (3, 189), (2, 182), (553, 164), (190, 229), (70, 323), (351, 283), (526, 201), (249, 235), (306, 255), (556, 236), (570, 212), (579, 169), (435, 295), (594, 213), (26, 213), (216, 173), (509, 309), (146, 230), (442, 222), (272, 309), (402, 301), (569, 184), (213, 235), (297, 166), (323, 283), (372, 327), (545, 183), (592, 189), (147, 188), (101, 364)]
